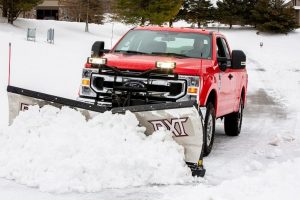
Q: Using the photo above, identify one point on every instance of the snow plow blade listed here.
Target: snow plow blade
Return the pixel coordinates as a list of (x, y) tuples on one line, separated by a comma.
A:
[(181, 118)]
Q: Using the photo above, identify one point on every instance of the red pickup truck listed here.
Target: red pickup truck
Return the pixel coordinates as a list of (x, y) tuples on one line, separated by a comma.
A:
[(184, 64)]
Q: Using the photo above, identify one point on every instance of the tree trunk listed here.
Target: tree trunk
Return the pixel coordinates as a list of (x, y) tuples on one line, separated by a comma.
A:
[(10, 18), (10, 12), (4, 12), (87, 16), (171, 23), (143, 21), (199, 24), (4, 8)]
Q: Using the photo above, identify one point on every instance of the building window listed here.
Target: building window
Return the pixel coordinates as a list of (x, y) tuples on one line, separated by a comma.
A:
[(47, 14)]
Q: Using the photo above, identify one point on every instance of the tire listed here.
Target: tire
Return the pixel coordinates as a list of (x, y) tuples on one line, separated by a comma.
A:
[(233, 121), (209, 129)]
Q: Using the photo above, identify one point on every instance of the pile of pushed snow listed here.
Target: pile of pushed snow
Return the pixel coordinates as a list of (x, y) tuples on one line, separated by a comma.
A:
[(57, 150)]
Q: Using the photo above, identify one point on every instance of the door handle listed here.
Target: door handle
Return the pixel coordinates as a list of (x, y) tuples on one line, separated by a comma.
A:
[(230, 76)]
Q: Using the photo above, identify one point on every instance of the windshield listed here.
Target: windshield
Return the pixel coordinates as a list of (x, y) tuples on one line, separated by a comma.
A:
[(178, 44)]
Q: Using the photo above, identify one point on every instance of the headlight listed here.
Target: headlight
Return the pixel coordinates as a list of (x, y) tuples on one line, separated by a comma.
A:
[(165, 65), (98, 61), (193, 85), (87, 91), (86, 73)]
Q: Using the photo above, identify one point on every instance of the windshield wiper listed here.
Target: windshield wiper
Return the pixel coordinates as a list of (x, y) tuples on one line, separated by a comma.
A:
[(171, 54), (130, 52), (153, 53)]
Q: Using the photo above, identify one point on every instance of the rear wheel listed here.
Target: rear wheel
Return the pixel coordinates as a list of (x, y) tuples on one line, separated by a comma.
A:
[(233, 121), (209, 128)]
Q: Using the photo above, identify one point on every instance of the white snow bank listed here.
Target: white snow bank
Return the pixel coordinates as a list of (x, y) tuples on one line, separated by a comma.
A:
[(278, 181), (59, 151)]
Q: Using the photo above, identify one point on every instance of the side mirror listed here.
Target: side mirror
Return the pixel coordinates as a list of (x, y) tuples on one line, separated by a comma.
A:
[(238, 59), (222, 61), (98, 49)]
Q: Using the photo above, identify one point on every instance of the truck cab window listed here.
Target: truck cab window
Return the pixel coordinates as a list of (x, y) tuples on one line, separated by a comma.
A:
[(226, 49), (220, 48)]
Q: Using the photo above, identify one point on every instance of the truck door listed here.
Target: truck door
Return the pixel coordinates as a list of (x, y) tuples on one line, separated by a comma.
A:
[(234, 77), (225, 80)]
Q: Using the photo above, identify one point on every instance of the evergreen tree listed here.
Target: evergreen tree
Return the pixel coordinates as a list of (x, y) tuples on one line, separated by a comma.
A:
[(247, 8), (142, 11), (129, 12), (79, 10), (12, 8), (274, 16), (196, 11), (182, 13), (3, 6), (161, 11), (230, 11)]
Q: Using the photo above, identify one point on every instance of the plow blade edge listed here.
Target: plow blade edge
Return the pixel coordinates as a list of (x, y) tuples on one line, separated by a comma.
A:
[(181, 118)]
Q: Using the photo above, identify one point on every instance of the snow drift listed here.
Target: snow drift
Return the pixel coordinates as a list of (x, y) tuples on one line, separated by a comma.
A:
[(278, 181), (59, 151)]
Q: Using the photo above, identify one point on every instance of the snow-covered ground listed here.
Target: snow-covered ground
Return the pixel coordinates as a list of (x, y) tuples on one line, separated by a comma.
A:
[(57, 151)]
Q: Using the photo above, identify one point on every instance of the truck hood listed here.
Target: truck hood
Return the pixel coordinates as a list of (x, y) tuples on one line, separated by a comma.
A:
[(187, 66)]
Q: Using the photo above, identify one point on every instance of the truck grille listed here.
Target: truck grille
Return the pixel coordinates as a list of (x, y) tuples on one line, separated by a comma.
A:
[(147, 86)]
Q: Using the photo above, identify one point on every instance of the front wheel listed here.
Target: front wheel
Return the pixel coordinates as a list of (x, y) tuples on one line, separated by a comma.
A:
[(233, 121), (209, 128)]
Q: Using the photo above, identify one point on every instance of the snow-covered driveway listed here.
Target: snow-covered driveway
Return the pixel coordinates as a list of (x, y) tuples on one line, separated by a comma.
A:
[(261, 163)]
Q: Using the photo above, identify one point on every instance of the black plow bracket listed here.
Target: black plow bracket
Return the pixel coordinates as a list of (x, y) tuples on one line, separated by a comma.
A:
[(91, 107)]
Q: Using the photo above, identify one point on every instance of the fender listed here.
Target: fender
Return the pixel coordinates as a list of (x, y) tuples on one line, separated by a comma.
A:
[(209, 85), (241, 93)]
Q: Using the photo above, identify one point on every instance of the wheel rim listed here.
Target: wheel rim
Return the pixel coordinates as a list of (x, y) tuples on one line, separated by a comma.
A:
[(209, 130)]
